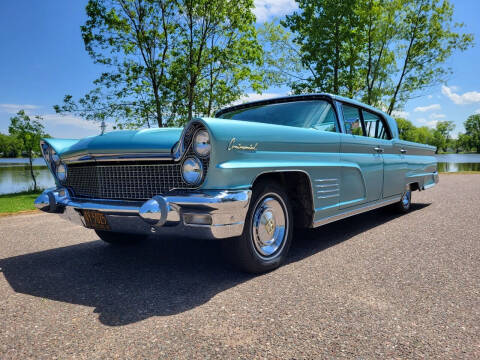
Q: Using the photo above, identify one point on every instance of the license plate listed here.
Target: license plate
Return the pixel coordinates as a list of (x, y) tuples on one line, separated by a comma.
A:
[(95, 220)]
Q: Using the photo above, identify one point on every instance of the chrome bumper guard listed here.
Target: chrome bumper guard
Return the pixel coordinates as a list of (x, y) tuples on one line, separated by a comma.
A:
[(215, 214)]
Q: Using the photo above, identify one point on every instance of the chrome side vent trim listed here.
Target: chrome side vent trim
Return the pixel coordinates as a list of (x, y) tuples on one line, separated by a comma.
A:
[(327, 188)]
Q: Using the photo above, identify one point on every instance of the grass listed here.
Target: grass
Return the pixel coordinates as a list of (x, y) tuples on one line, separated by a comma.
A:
[(14, 203), (459, 153), (460, 173)]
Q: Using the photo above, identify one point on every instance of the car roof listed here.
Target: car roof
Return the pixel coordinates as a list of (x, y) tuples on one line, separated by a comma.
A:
[(391, 122)]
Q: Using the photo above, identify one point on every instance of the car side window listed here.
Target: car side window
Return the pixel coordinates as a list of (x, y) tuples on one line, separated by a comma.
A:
[(327, 120), (351, 120), (374, 126)]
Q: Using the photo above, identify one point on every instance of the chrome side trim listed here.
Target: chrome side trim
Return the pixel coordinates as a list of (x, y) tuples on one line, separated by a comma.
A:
[(328, 196), (332, 186), (326, 186), (353, 212)]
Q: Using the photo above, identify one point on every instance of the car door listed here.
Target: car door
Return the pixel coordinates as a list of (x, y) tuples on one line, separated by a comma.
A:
[(393, 159), (326, 176), (362, 161)]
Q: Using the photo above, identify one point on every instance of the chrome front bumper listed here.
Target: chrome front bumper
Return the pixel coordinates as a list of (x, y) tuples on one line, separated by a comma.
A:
[(215, 214)]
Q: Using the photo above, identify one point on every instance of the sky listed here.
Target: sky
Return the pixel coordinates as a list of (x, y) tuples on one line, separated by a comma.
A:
[(42, 58)]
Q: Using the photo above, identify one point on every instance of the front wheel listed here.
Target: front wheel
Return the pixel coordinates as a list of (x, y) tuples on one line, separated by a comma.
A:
[(267, 232), (116, 238)]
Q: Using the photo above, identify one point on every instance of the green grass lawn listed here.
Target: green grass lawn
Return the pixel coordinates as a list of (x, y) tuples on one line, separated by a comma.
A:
[(12, 203), (460, 173)]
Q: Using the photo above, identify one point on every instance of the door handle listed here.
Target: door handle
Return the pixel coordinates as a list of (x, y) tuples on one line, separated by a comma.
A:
[(403, 151), (378, 149)]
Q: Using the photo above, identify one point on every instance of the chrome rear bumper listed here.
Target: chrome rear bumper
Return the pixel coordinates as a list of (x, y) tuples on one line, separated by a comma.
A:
[(213, 214), (430, 180)]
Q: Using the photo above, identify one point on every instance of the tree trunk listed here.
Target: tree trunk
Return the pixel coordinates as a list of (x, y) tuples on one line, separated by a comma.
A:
[(405, 64), (336, 62), (191, 96), (158, 103), (30, 155)]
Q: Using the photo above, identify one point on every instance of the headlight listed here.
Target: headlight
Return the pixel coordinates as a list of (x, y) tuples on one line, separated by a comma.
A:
[(192, 170), (61, 171), (201, 143), (53, 161)]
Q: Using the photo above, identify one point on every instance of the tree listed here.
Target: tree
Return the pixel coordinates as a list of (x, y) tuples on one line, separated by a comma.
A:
[(167, 59), (29, 132), (282, 63), (324, 32), (406, 130), (10, 147), (425, 135), (427, 38), (462, 143), (378, 31), (383, 52), (441, 135), (221, 45), (445, 128), (472, 130)]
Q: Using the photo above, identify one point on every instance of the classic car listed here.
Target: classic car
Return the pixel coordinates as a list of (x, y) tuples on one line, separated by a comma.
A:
[(250, 175)]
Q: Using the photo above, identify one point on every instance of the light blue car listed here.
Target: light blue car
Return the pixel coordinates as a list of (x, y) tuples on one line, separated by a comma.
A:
[(251, 174)]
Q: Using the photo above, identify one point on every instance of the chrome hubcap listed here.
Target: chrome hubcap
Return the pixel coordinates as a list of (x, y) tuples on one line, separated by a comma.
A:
[(269, 226), (406, 198)]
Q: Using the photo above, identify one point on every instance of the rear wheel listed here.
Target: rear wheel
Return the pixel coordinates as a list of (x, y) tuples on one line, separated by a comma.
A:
[(405, 202), (267, 232), (116, 238)]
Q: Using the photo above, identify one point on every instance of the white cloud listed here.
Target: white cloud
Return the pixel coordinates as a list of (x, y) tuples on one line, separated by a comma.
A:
[(400, 114), (427, 108), (429, 123), (429, 96), (14, 108), (461, 99), (266, 9), (70, 120), (477, 111), (437, 116), (57, 125)]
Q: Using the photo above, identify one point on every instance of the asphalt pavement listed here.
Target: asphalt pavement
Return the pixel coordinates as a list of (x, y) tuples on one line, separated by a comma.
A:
[(377, 285)]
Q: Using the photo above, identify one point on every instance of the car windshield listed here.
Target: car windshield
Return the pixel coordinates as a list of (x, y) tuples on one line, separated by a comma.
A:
[(316, 114)]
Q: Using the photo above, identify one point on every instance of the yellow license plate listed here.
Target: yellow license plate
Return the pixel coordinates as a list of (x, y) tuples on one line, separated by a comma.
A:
[(95, 220)]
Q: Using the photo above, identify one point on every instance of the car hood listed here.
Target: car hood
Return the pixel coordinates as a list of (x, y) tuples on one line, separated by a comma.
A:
[(131, 142)]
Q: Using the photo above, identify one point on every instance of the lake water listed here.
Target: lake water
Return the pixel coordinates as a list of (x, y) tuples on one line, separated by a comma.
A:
[(15, 175)]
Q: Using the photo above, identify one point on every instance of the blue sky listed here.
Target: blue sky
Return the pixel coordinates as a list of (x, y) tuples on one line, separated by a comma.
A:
[(42, 58)]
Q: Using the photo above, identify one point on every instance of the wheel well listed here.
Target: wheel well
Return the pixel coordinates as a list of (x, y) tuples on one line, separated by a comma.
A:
[(414, 186), (299, 189)]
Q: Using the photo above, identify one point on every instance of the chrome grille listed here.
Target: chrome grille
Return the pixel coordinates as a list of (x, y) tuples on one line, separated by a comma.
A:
[(135, 182)]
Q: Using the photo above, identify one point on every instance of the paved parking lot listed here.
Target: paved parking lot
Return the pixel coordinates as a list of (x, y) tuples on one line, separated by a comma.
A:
[(377, 285)]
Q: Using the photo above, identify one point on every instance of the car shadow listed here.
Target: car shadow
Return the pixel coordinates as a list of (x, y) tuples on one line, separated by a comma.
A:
[(158, 277)]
